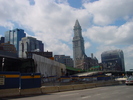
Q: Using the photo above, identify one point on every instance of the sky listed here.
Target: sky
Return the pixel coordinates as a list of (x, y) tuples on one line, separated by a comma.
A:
[(106, 24)]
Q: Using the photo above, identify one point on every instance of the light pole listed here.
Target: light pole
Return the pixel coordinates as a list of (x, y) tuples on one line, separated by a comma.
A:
[(3, 59)]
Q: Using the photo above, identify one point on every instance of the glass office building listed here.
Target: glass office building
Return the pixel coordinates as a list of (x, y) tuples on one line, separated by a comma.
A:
[(114, 60), (14, 36)]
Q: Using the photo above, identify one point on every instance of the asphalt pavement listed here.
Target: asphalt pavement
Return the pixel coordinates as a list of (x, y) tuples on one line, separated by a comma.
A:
[(118, 92)]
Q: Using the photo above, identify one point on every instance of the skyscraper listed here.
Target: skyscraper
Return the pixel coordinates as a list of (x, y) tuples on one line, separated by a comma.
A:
[(2, 39), (14, 36), (78, 46), (113, 60), (29, 44)]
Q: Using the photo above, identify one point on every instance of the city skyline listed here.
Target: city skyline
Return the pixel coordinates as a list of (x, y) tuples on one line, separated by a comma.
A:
[(104, 25)]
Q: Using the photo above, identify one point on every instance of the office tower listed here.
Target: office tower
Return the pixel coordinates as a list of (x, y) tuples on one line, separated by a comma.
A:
[(78, 47), (29, 44), (67, 60), (14, 36), (113, 60), (2, 39)]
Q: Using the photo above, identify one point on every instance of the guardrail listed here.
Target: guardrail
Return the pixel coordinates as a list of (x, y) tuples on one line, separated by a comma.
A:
[(52, 89)]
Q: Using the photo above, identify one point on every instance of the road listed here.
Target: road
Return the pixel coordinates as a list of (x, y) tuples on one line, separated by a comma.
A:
[(118, 92)]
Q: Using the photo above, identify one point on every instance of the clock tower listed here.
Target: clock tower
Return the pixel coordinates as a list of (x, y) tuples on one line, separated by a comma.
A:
[(78, 47)]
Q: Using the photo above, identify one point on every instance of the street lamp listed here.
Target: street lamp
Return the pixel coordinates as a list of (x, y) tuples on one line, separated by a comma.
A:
[(3, 59)]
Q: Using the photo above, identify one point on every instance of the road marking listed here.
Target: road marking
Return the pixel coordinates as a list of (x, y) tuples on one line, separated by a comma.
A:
[(98, 94), (68, 94), (104, 97), (86, 97)]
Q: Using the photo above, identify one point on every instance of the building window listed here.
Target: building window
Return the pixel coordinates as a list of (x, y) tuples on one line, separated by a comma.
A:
[(27, 46), (22, 47)]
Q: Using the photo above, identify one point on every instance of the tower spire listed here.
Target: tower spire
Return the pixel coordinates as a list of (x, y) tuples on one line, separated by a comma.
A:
[(77, 23)]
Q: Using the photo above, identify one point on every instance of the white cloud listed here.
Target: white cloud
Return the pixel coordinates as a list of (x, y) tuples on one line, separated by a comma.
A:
[(121, 35), (87, 45), (107, 11), (124, 35), (104, 35), (128, 55), (7, 24)]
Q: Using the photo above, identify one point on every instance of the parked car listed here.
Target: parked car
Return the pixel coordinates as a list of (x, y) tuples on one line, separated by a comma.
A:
[(129, 80)]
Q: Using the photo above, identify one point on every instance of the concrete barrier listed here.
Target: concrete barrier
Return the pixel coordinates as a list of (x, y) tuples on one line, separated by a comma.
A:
[(30, 91), (9, 92), (115, 83), (90, 85), (50, 89), (121, 82), (79, 86), (100, 84), (66, 88), (108, 83)]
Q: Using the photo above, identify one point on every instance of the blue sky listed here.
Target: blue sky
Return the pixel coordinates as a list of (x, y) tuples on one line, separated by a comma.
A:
[(106, 24)]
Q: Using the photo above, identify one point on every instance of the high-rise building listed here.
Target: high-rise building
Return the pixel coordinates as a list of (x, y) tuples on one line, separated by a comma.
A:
[(113, 60), (67, 60), (2, 39), (14, 36), (78, 47), (29, 44)]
